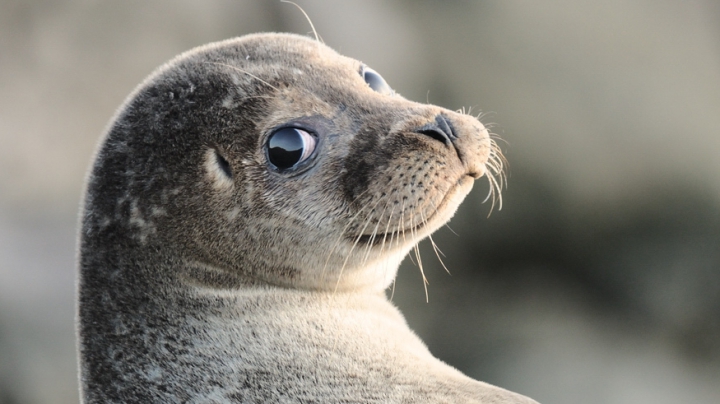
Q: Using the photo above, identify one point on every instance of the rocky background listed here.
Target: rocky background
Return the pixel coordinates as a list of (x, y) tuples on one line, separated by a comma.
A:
[(598, 281)]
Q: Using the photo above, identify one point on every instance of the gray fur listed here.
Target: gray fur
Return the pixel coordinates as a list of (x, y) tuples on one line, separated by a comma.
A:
[(266, 286)]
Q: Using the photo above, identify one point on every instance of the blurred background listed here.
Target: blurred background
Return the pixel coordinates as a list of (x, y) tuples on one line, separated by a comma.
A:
[(598, 281)]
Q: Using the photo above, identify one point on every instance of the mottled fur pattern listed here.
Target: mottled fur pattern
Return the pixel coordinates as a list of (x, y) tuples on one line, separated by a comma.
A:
[(266, 285)]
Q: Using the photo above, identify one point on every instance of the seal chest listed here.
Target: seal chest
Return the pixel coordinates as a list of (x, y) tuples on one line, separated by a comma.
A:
[(246, 210)]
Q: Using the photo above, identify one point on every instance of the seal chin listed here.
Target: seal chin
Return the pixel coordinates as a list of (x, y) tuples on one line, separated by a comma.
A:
[(444, 211)]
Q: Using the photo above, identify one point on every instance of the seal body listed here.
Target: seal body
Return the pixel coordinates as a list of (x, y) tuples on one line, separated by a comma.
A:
[(249, 204)]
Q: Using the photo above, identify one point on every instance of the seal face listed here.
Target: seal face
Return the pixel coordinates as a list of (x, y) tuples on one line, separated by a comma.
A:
[(246, 180)]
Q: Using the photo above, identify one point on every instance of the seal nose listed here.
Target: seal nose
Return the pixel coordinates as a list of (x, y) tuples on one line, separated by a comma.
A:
[(440, 130), (468, 137)]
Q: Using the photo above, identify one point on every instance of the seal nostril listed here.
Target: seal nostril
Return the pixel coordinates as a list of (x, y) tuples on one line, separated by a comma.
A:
[(440, 130), (445, 126), (435, 134)]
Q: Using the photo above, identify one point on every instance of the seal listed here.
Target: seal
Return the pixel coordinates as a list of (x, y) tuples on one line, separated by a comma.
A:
[(247, 208)]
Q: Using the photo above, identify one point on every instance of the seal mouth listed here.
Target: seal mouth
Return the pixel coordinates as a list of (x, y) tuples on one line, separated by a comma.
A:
[(381, 238)]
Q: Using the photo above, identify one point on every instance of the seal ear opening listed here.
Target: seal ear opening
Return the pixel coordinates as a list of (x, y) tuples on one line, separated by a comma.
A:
[(218, 169), (223, 165)]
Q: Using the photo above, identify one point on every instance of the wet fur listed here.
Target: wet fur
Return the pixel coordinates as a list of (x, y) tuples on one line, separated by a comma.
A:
[(266, 286)]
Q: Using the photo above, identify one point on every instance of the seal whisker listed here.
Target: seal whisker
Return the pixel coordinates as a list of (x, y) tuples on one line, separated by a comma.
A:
[(392, 292), (438, 253), (371, 240), (341, 236), (267, 97), (396, 233), (496, 175), (402, 221), (317, 37), (243, 71), (496, 158), (481, 115), (433, 206), (496, 192), (387, 227), (435, 247), (422, 273), (357, 240), (385, 234), (447, 224), (413, 235)]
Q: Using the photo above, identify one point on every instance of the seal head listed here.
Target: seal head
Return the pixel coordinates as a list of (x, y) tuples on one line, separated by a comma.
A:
[(189, 165)]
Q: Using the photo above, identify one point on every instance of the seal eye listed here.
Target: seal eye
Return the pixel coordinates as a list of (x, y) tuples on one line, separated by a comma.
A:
[(288, 147), (375, 80)]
